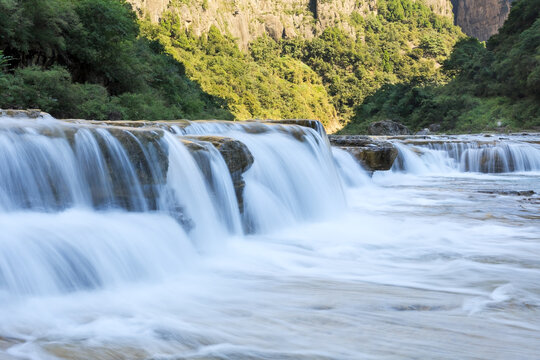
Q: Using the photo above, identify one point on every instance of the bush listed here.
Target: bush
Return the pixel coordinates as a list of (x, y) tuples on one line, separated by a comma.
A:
[(85, 58)]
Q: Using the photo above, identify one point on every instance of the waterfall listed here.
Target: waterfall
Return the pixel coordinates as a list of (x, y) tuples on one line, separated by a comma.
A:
[(281, 188), (87, 205), (469, 155), (351, 173)]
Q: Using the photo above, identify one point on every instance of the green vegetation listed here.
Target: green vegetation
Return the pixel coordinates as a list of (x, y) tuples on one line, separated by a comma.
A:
[(490, 87), (85, 59), (322, 78), (256, 84), (94, 59)]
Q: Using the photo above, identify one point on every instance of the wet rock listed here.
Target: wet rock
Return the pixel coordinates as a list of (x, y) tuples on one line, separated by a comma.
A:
[(371, 153), (149, 158), (235, 154), (509, 192), (167, 125), (143, 149), (425, 131), (350, 140), (388, 127)]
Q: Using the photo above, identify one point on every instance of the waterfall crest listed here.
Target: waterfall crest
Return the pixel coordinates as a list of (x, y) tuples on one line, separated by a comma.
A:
[(87, 204), (468, 155)]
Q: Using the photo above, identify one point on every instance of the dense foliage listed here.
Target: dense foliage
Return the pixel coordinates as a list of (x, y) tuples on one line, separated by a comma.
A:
[(85, 58), (256, 84), (492, 87), (321, 78), (94, 59)]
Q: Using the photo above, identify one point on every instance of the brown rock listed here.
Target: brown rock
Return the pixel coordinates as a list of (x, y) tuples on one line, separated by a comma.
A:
[(372, 154), (235, 154)]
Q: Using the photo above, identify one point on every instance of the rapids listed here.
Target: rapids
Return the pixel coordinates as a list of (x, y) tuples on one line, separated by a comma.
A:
[(117, 242)]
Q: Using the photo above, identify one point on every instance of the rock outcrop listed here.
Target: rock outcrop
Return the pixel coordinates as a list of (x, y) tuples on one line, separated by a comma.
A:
[(388, 127), (373, 154), (235, 154), (481, 18), (246, 20)]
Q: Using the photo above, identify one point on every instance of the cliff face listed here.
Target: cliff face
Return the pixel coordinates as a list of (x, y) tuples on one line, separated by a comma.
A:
[(152, 8), (248, 19), (481, 18)]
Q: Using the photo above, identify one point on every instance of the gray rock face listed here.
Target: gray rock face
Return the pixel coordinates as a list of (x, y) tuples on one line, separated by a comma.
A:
[(371, 153), (246, 20), (481, 18), (388, 127)]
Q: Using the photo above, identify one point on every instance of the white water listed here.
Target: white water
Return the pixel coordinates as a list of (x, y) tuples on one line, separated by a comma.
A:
[(468, 154), (430, 265)]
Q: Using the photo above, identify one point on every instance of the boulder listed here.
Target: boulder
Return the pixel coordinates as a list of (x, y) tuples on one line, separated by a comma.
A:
[(371, 153), (235, 154), (434, 128), (388, 127)]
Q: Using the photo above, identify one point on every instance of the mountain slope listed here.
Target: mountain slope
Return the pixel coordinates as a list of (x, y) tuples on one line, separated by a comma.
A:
[(59, 56), (312, 69), (492, 88), (246, 20)]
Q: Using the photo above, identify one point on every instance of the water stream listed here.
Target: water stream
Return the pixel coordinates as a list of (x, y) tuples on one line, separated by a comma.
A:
[(107, 255)]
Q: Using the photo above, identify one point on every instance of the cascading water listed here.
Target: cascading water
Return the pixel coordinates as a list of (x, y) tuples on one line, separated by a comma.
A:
[(280, 187), (100, 173), (466, 155), (225, 240)]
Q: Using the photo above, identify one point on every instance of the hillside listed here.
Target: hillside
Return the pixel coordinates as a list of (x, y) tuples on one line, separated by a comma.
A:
[(315, 61), (246, 20), (215, 59), (86, 59), (493, 87)]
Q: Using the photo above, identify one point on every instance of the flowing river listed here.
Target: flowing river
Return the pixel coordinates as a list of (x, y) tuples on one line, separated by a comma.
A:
[(104, 255)]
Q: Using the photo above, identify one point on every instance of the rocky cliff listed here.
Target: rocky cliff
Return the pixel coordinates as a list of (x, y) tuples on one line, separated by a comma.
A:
[(247, 19), (481, 18)]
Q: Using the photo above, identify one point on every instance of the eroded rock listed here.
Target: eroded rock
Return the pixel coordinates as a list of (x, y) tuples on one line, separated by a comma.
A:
[(235, 153), (371, 153)]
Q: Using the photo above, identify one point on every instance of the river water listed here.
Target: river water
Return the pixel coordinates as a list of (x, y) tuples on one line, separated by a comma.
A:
[(426, 261)]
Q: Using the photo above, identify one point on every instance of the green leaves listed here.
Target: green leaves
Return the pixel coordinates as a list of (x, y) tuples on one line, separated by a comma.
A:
[(500, 83), (84, 58)]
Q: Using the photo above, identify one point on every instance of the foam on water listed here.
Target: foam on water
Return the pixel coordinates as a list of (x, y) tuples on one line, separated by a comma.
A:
[(433, 263), (467, 155)]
